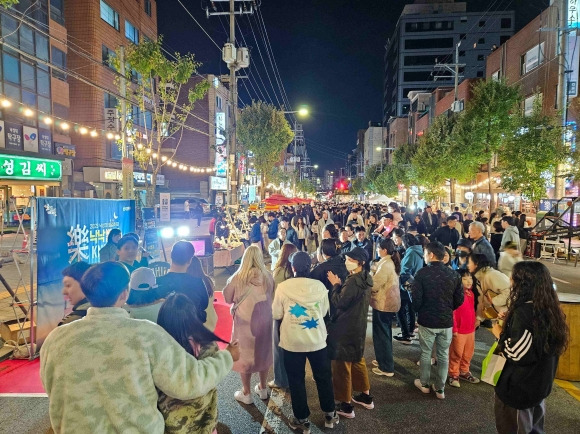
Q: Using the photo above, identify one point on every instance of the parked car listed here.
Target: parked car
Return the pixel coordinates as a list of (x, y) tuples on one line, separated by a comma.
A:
[(177, 206)]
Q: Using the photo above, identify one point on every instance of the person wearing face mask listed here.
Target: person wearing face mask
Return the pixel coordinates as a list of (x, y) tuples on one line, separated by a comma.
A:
[(73, 293), (461, 254), (349, 303)]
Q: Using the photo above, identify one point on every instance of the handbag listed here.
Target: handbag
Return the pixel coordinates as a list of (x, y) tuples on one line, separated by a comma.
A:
[(490, 312), (492, 366), (237, 304)]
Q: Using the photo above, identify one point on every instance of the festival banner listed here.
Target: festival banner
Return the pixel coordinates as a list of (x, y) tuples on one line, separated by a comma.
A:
[(70, 230)]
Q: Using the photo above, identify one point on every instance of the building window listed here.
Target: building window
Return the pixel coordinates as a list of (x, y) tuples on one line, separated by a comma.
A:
[(58, 59), (147, 4), (107, 55), (480, 73), (506, 23), (418, 44), (462, 53), (11, 68), (481, 41), (109, 15), (28, 76), (463, 19), (529, 103), (218, 102), (532, 59), (482, 23), (41, 46), (110, 101), (480, 57), (26, 39), (131, 33), (57, 11), (495, 76), (42, 82)]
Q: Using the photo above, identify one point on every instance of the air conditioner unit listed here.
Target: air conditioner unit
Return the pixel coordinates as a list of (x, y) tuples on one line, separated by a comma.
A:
[(457, 106), (243, 57), (229, 53)]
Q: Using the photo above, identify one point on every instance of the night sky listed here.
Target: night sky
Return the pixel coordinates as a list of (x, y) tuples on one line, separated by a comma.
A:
[(329, 55)]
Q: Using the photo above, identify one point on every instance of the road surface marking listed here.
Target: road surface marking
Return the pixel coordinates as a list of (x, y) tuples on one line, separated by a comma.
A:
[(560, 280), (570, 388)]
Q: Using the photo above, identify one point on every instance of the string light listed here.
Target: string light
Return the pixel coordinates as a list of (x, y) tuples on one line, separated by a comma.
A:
[(164, 158), (47, 120), (27, 112), (154, 155), (5, 103), (64, 126), (110, 136), (94, 133), (83, 130)]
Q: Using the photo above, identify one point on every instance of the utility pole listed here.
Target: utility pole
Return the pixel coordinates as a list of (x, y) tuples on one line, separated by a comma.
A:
[(559, 187), (127, 161), (235, 58)]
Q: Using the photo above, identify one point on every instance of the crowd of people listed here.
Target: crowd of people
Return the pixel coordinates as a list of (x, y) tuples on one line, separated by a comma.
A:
[(142, 350)]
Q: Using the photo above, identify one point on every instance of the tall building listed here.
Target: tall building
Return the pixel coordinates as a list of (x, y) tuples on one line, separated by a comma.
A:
[(35, 154), (97, 28), (427, 33), (373, 145)]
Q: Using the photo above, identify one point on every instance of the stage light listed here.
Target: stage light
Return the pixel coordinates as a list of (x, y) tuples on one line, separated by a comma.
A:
[(167, 233), (183, 231)]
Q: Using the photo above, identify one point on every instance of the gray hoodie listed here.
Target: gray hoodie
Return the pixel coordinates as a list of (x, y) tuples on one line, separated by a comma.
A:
[(510, 234)]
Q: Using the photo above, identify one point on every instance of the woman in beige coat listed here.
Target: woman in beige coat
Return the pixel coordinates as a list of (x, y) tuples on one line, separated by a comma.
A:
[(386, 302), (492, 286)]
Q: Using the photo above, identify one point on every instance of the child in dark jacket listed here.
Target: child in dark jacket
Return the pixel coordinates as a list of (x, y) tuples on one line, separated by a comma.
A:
[(463, 342)]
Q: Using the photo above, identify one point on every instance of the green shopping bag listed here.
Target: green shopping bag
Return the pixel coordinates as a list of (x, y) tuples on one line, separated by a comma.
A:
[(492, 366)]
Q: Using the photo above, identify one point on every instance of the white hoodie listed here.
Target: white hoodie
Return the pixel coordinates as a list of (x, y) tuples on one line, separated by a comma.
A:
[(301, 303)]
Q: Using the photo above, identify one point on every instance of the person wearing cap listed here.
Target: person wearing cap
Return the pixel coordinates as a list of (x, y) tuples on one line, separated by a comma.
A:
[(347, 332), (72, 291), (301, 303), (179, 280), (144, 301), (461, 254), (509, 257)]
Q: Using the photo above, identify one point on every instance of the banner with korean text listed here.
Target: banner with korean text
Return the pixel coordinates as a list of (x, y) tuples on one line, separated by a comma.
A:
[(70, 230)]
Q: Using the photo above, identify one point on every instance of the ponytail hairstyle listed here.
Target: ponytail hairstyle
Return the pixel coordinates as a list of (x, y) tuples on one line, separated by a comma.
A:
[(180, 318), (388, 245)]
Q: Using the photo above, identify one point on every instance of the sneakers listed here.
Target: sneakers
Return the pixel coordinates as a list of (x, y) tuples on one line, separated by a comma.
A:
[(345, 410), (304, 425), (375, 363), (453, 381), (244, 399), (377, 371), (365, 400), (468, 377), (331, 420), (412, 335), (421, 387), (406, 341), (440, 394), (273, 385), (433, 362), (262, 393)]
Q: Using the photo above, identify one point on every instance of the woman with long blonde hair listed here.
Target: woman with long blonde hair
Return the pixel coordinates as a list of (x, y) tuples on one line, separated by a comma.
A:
[(250, 290)]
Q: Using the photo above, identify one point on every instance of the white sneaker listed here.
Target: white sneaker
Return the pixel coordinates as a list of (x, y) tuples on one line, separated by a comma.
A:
[(418, 385), (244, 399), (262, 393), (375, 363), (439, 393)]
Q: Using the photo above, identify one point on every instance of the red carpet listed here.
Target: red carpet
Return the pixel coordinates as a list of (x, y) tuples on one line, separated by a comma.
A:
[(23, 376)]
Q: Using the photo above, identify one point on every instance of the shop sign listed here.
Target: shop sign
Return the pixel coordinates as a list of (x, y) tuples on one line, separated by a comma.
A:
[(139, 178), (108, 175), (111, 120), (66, 150), (30, 139), (164, 207), (2, 137), (44, 142), (218, 183), (29, 168), (13, 136), (221, 157)]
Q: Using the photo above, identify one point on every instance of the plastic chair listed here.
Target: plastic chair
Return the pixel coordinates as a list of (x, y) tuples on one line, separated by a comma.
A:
[(160, 268)]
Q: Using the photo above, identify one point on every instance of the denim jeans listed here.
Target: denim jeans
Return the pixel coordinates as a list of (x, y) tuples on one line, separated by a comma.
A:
[(280, 377), (320, 364), (442, 339), (406, 316), (383, 339)]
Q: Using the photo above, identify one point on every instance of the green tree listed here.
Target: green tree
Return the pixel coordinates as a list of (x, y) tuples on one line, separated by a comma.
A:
[(263, 130), (8, 3), (483, 129), (164, 102), (531, 154), (371, 179), (306, 187), (387, 181), (357, 186)]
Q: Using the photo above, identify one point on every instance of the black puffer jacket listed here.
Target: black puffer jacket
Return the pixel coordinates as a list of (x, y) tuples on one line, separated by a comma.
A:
[(436, 292), (334, 264), (348, 323)]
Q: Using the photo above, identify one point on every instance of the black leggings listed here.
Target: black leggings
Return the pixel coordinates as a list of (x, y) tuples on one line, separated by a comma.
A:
[(406, 317)]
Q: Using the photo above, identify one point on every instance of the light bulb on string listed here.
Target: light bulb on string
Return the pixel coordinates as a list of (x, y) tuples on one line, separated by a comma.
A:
[(117, 137), (110, 136), (64, 126), (148, 150), (164, 158), (27, 112), (191, 169), (139, 146), (174, 164), (154, 155), (169, 162), (47, 120), (83, 130), (6, 103), (94, 133)]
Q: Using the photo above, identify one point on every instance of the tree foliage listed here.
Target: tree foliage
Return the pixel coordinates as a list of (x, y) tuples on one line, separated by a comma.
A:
[(263, 130), (164, 102), (531, 153), (305, 186), (8, 3)]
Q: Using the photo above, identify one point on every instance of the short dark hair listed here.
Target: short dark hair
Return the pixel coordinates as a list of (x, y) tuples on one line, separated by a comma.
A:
[(437, 249), (332, 230), (410, 240), (464, 272), (127, 238), (285, 219), (253, 219), (508, 219), (361, 229), (328, 247), (76, 270), (103, 283), (451, 217), (272, 214), (480, 260), (349, 226), (412, 228), (398, 232), (182, 252)]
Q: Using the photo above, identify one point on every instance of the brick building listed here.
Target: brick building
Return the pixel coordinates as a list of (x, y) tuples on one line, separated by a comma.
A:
[(98, 28)]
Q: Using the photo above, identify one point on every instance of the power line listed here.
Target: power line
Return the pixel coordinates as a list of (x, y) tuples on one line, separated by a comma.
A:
[(200, 26)]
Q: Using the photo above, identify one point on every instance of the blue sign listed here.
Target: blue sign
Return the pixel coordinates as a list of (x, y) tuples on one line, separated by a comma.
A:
[(44, 142), (70, 230), (14, 136)]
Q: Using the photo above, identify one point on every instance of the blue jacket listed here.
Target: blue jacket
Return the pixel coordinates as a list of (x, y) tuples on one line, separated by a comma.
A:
[(411, 262), (483, 247), (292, 236), (273, 229), (256, 234)]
